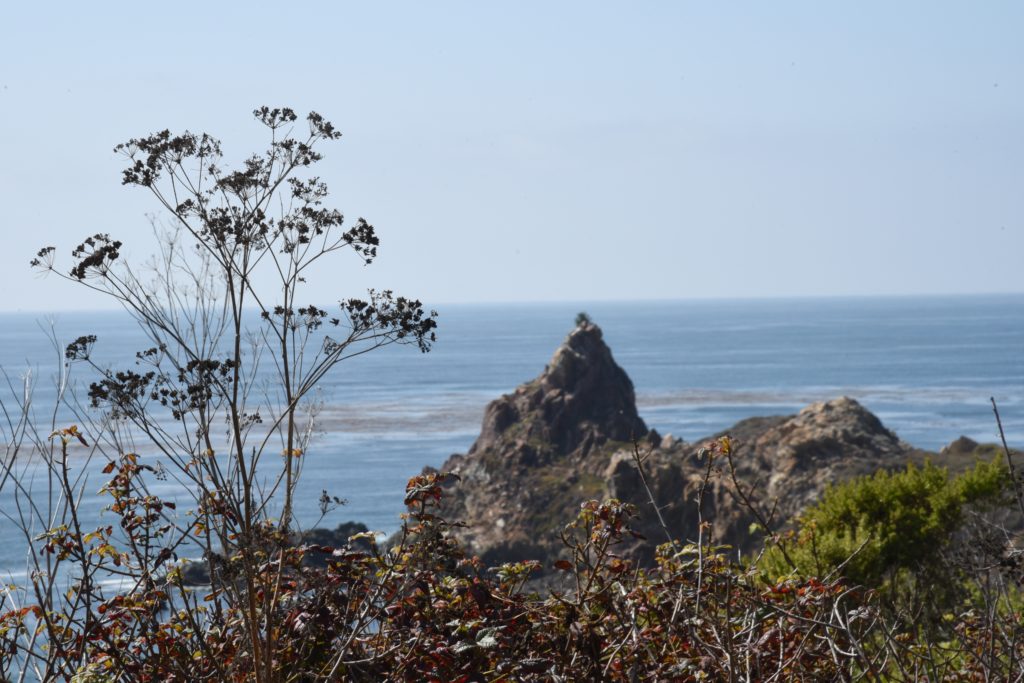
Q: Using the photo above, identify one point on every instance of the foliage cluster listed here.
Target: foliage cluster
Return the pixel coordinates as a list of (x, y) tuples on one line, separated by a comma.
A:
[(898, 532), (423, 610)]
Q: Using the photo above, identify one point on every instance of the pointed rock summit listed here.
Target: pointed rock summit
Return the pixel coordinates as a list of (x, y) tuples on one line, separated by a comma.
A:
[(581, 400)]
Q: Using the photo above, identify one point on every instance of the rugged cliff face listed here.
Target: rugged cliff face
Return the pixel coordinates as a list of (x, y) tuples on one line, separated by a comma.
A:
[(568, 436)]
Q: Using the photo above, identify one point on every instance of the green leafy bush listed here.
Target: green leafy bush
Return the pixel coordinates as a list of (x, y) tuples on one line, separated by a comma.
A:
[(893, 530)]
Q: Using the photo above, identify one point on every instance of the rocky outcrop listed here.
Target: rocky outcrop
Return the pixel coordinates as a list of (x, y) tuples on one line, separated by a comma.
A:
[(581, 400), (573, 434), (778, 464), (824, 443), (543, 448)]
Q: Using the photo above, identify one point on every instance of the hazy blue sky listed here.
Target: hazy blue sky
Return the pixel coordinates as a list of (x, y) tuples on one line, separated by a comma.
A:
[(553, 151)]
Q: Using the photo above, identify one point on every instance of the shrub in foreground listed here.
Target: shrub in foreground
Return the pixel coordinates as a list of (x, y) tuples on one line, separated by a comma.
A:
[(423, 610), (903, 533)]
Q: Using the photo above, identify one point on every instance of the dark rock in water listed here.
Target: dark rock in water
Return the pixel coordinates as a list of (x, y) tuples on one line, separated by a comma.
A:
[(336, 538), (568, 436), (959, 447), (963, 453), (339, 536), (197, 572)]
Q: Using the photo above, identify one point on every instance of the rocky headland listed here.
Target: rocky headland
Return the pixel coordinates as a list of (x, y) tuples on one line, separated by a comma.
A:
[(574, 434)]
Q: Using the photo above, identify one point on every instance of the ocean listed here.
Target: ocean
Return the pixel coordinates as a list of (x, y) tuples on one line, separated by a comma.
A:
[(925, 365)]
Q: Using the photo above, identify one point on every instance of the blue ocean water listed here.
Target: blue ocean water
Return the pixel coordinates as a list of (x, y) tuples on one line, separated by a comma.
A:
[(926, 365)]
